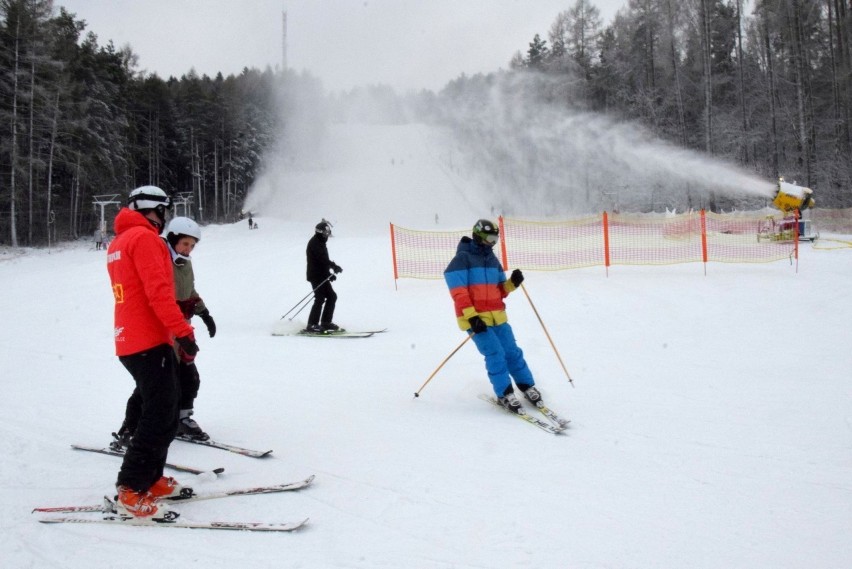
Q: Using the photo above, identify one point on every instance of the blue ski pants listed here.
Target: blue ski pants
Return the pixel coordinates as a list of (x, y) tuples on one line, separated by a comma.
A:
[(504, 360)]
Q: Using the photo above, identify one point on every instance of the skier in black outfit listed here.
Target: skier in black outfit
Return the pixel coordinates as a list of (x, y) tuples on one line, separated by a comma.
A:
[(319, 265)]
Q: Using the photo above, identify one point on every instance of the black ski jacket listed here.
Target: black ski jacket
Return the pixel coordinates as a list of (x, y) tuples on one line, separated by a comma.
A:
[(319, 264)]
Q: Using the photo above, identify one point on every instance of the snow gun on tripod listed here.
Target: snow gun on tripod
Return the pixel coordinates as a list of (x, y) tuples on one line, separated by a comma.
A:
[(791, 200)]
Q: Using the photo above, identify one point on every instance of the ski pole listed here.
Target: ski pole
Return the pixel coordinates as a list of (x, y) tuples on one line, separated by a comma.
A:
[(302, 308), (546, 333), (306, 296), (417, 393)]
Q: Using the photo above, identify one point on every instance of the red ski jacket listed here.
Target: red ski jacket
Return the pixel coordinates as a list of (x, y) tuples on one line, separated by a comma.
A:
[(140, 269)]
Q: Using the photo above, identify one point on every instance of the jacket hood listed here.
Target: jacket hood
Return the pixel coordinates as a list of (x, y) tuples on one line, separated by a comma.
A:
[(127, 219), (468, 244)]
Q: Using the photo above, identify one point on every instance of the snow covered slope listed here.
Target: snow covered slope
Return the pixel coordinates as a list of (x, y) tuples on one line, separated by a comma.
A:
[(365, 176), (711, 416)]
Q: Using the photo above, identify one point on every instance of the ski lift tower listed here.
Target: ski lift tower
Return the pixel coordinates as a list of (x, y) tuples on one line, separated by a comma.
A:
[(183, 200), (103, 202)]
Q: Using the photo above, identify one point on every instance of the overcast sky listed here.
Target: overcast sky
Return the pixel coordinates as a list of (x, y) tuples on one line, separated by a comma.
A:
[(408, 44)]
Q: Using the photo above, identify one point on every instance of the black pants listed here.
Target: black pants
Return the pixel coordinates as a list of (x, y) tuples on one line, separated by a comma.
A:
[(157, 392), (188, 382), (325, 298)]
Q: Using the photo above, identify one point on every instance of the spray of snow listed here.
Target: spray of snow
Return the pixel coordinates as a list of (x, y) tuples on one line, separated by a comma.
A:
[(493, 148), (541, 157)]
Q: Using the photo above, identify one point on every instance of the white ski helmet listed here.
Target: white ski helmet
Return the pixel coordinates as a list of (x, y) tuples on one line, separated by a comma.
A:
[(182, 226), (148, 197)]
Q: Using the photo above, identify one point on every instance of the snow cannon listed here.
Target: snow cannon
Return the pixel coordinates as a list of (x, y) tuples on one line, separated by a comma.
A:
[(790, 197)]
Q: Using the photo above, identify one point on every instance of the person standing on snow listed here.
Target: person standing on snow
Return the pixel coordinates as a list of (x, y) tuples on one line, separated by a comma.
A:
[(319, 265), (182, 234), (478, 286), (147, 318)]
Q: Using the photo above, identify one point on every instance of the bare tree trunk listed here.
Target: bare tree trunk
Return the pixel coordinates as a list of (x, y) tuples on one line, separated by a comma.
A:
[(75, 199), (844, 64), (708, 71), (215, 180), (678, 91), (14, 157), (799, 65), (151, 151), (744, 143), (31, 151), (770, 72), (53, 128)]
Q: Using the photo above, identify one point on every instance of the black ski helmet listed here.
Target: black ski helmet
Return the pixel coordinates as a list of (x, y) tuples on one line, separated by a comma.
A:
[(324, 228), (486, 232)]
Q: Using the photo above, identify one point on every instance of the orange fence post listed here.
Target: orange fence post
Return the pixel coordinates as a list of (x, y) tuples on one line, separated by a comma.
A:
[(704, 239), (393, 255), (503, 253), (796, 239), (606, 241)]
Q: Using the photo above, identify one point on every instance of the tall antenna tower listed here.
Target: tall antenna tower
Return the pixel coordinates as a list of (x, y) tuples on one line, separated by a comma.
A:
[(284, 41)]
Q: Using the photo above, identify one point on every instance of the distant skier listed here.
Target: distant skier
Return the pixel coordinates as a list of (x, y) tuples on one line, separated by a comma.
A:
[(478, 286), (99, 239), (251, 223), (319, 266), (147, 318)]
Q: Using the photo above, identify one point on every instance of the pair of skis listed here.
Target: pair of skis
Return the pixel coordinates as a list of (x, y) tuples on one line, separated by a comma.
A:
[(554, 425), (341, 333), (223, 446), (179, 467), (109, 515)]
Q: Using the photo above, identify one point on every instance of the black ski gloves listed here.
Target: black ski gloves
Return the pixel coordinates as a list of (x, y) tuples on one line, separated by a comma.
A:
[(517, 277), (332, 278), (208, 321), (336, 268), (187, 344), (477, 325)]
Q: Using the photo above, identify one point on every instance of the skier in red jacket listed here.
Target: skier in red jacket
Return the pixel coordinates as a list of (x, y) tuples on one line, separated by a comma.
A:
[(147, 321)]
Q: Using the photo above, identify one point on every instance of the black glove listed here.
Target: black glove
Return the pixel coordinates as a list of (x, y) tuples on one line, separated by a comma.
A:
[(517, 277), (332, 278), (188, 345), (336, 268), (208, 321), (477, 325)]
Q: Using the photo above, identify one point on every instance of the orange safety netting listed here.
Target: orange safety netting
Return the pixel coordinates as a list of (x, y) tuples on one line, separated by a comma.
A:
[(604, 240)]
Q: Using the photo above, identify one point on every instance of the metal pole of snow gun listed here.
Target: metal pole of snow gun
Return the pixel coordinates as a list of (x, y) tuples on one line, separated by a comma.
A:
[(303, 299), (437, 369), (546, 333)]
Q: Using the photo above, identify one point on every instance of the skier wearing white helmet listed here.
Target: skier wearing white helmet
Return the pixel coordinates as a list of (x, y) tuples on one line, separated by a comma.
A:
[(181, 235), (147, 323)]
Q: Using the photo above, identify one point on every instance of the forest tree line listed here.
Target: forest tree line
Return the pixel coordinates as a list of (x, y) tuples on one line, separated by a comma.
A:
[(79, 124), (765, 83)]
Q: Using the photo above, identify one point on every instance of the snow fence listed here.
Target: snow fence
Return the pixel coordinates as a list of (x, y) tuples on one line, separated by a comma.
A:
[(601, 240)]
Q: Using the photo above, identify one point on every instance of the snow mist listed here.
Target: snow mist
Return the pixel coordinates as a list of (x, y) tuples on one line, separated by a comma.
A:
[(541, 157), (484, 147)]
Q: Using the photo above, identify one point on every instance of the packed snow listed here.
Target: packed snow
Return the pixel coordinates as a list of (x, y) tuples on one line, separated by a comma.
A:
[(711, 414)]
